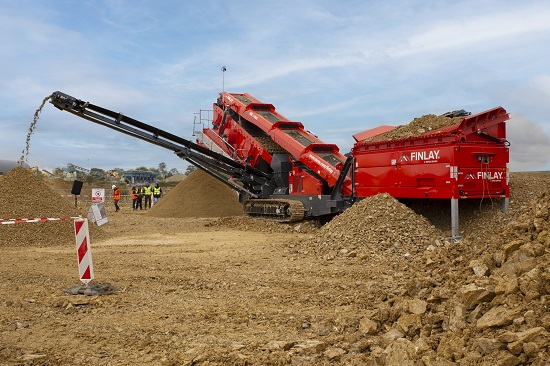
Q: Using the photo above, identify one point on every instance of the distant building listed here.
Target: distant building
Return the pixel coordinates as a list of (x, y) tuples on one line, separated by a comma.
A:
[(7, 165), (137, 176)]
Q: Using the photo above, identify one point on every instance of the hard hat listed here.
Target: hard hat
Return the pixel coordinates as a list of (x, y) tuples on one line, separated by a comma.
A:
[(146, 182), (133, 186), (156, 182), (113, 187)]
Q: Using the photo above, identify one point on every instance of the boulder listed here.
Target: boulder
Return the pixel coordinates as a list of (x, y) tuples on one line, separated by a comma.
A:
[(497, 317), (530, 284), (536, 337), (400, 352), (472, 295), (409, 324), (367, 326)]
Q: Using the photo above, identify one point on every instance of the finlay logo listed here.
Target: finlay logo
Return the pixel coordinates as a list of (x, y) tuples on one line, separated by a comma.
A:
[(426, 155), (484, 175)]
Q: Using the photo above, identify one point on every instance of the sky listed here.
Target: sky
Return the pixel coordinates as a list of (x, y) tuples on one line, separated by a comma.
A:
[(339, 67)]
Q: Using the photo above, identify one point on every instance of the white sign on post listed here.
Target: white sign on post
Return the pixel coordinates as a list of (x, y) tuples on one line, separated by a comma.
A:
[(98, 214), (98, 195)]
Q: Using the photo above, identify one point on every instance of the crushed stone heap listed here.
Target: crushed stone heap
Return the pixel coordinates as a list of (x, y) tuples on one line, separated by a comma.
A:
[(25, 196), (417, 127), (198, 195), (376, 224), (481, 301)]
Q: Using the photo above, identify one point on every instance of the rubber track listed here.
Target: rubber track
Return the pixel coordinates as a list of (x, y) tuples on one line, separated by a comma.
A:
[(279, 210)]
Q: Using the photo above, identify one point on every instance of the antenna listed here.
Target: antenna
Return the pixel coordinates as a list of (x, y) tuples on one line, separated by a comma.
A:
[(224, 69)]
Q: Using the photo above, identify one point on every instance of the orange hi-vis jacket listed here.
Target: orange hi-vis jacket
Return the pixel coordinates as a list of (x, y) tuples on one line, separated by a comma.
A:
[(116, 195), (134, 194)]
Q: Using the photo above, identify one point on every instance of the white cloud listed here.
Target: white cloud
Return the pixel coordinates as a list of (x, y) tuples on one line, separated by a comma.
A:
[(459, 34), (530, 145)]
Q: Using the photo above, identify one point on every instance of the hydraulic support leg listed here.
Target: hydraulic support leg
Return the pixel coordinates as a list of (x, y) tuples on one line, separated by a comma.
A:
[(505, 204), (455, 236)]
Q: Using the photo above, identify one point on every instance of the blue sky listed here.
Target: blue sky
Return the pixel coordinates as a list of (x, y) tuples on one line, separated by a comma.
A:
[(339, 67)]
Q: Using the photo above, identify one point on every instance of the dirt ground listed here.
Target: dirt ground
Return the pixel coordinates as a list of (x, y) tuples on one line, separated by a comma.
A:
[(238, 291), (186, 291)]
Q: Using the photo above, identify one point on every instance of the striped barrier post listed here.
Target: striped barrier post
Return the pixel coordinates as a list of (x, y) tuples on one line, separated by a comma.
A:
[(84, 252)]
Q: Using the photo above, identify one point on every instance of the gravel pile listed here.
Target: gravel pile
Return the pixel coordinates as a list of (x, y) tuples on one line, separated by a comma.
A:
[(483, 300), (417, 127), (26, 196), (377, 224), (198, 195)]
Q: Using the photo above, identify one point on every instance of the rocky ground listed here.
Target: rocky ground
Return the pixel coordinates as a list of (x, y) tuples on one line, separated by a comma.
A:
[(379, 285)]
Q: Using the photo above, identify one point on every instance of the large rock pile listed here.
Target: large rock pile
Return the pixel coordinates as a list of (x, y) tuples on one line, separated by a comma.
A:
[(483, 300), (26, 196), (417, 127), (198, 195)]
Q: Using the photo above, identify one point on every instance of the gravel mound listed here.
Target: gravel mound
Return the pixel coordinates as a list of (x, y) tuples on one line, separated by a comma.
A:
[(417, 127), (483, 300), (377, 224), (26, 196), (198, 195)]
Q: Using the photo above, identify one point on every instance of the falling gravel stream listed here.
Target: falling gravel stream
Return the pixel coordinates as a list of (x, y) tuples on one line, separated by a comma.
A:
[(32, 127)]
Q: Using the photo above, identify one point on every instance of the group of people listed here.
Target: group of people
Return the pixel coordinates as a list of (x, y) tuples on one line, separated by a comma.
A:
[(139, 193)]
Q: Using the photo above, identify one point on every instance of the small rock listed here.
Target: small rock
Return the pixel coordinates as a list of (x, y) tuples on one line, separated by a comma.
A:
[(480, 269), (312, 346), (417, 306), (506, 284), (488, 345), (472, 295), (387, 338), (512, 247), (280, 345), (367, 326), (334, 353)]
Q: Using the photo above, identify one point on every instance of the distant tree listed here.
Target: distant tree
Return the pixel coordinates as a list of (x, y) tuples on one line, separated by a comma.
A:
[(162, 170), (190, 169), (172, 172), (142, 169)]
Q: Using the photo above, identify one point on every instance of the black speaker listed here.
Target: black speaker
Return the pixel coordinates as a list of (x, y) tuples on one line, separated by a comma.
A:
[(77, 187)]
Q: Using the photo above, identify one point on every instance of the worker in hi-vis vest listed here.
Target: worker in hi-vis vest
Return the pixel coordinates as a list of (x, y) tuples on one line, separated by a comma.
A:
[(147, 192), (116, 197), (157, 192)]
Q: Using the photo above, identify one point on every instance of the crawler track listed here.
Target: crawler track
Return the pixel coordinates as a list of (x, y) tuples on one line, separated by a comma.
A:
[(274, 209)]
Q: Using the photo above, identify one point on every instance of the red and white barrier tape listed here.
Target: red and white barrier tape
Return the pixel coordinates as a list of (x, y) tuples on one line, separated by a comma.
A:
[(35, 219)]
